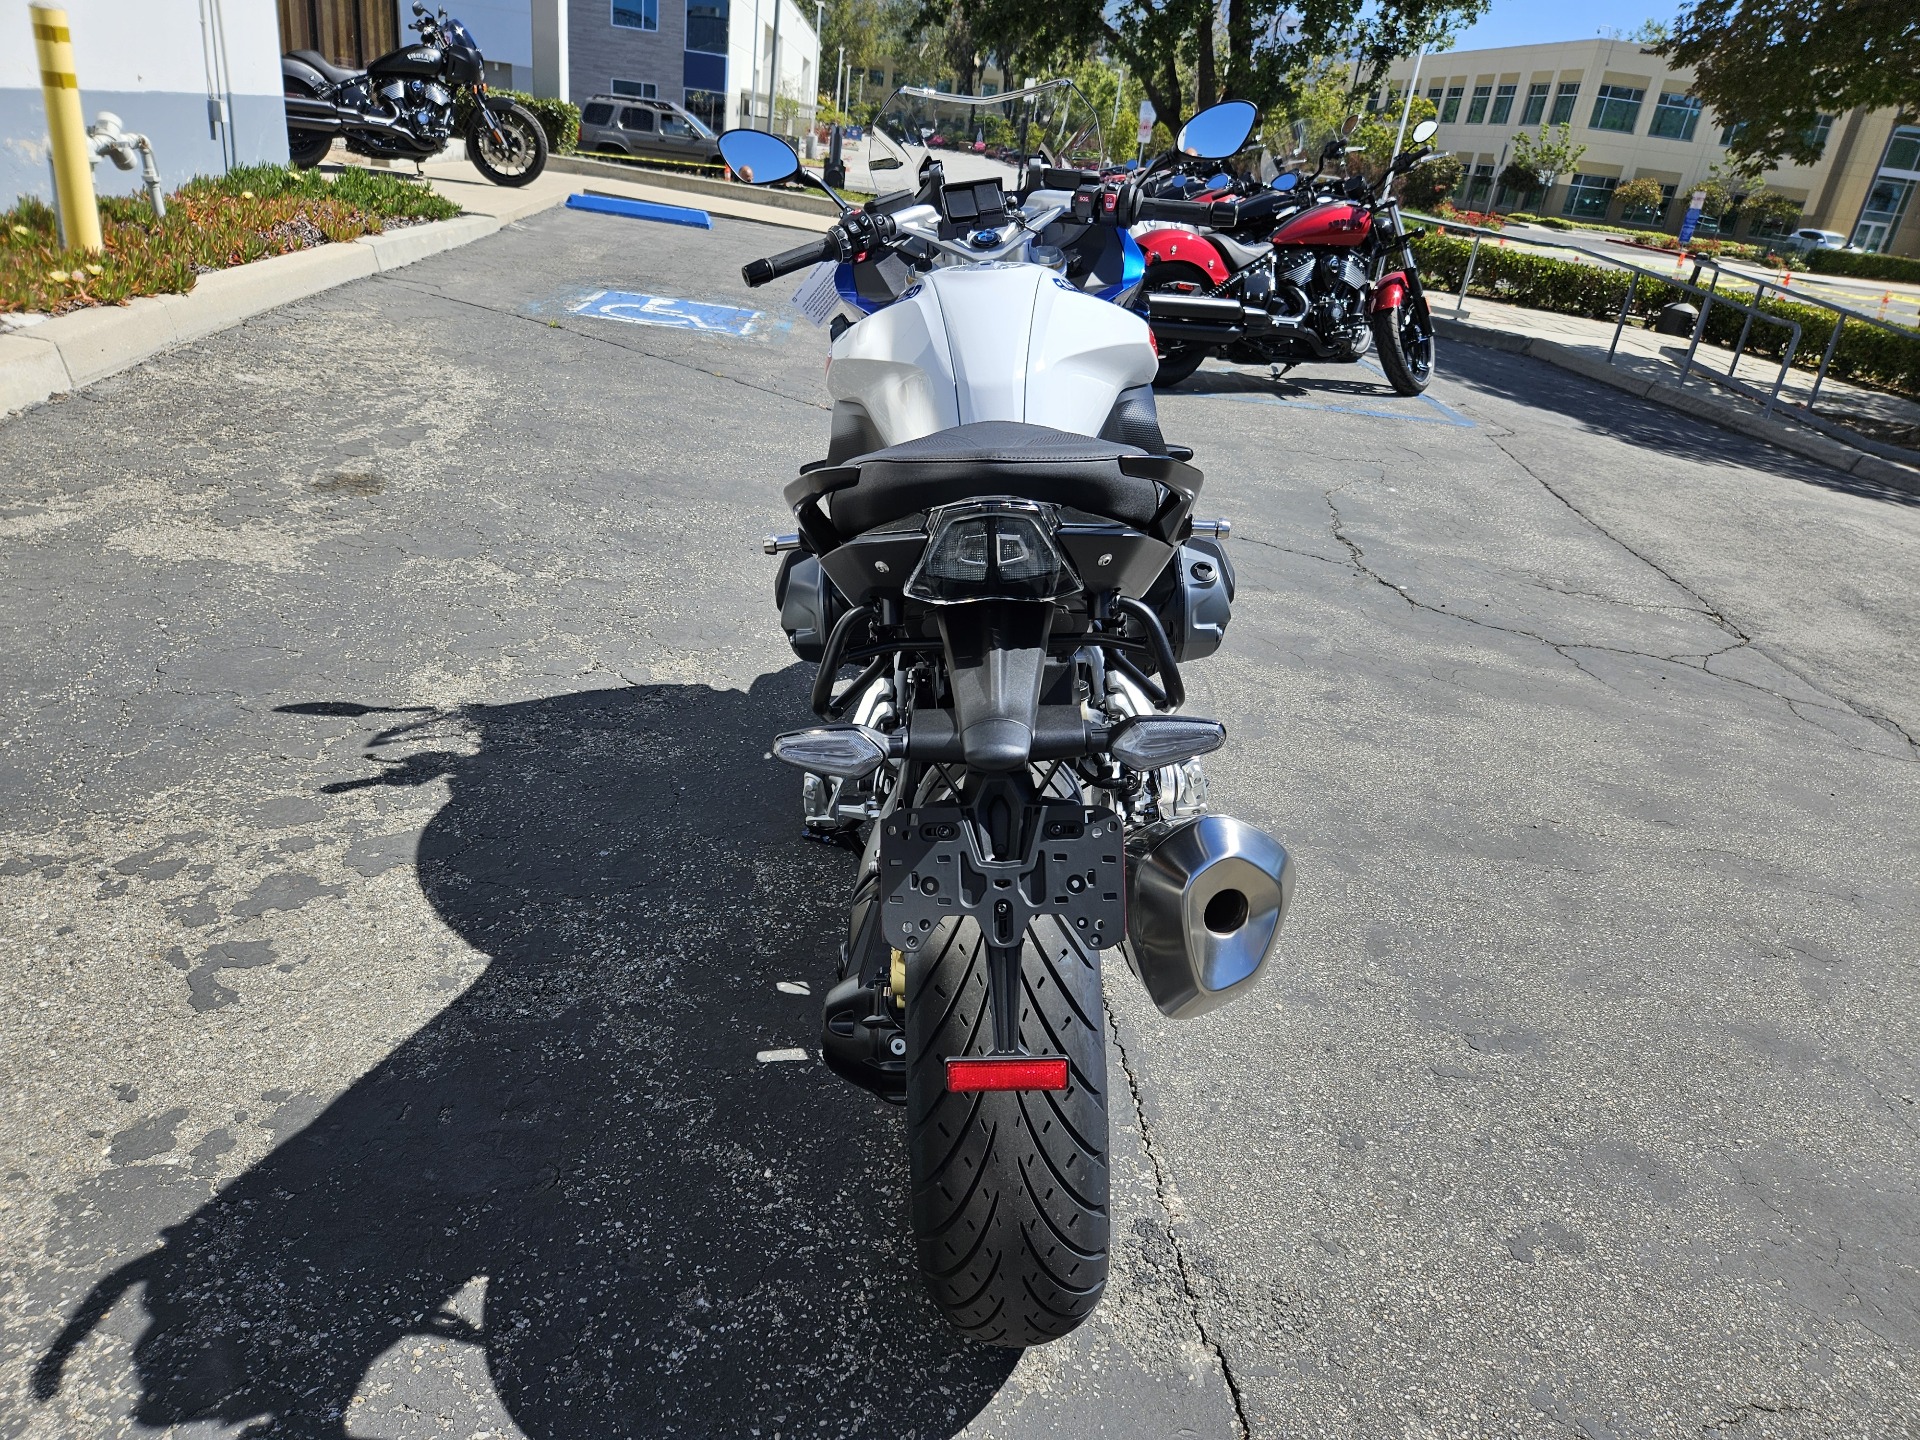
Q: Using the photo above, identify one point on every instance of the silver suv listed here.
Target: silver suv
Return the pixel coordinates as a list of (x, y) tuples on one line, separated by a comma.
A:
[(655, 129)]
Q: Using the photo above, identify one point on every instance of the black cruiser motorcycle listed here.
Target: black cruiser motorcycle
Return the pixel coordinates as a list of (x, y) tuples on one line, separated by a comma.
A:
[(402, 107), (1013, 578)]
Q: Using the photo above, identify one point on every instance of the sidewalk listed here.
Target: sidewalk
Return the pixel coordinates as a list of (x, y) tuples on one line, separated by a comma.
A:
[(1852, 428), (72, 351)]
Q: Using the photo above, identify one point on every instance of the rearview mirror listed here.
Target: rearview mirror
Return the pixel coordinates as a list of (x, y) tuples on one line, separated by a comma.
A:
[(1425, 131), (1286, 182), (1349, 125), (759, 158), (1218, 131)]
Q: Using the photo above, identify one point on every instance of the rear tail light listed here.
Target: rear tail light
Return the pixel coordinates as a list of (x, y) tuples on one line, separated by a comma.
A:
[(1011, 1072)]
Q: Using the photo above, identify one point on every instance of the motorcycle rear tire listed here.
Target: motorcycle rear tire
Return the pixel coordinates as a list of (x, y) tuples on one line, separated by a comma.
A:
[(1010, 1188), (1403, 334), (515, 118), (305, 148)]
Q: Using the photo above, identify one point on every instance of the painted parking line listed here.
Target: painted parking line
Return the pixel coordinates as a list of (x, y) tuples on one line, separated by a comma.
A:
[(1416, 410), (630, 308)]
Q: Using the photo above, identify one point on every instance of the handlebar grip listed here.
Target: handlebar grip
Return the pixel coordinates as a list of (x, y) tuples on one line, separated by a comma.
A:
[(761, 272), (1224, 214)]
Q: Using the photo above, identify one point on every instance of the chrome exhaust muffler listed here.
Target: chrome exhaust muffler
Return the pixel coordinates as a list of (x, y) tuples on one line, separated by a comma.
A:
[(1205, 902)]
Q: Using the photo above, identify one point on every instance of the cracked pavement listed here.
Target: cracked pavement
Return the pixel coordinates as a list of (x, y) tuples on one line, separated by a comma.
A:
[(395, 895)]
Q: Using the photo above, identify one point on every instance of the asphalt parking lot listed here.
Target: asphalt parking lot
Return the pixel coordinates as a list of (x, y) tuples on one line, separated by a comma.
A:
[(397, 904)]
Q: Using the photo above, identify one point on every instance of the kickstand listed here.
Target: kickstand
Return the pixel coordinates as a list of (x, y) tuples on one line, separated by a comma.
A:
[(1277, 373)]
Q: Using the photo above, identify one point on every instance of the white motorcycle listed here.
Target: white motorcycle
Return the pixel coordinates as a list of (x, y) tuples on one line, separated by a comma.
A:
[(1002, 546)]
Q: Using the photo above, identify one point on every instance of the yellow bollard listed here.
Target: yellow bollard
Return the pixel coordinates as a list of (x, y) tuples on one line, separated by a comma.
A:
[(67, 129)]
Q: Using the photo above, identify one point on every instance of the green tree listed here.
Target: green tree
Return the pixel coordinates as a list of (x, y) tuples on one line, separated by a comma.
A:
[(1378, 134), (1188, 54), (1641, 197), (1431, 181), (1773, 67), (1540, 159)]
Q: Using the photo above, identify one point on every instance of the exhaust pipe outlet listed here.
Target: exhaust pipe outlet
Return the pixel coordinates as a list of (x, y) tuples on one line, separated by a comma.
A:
[(1205, 903)]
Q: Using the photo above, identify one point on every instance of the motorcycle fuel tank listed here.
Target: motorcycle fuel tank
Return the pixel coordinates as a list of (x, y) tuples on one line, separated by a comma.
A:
[(413, 60), (1331, 222), (1001, 342)]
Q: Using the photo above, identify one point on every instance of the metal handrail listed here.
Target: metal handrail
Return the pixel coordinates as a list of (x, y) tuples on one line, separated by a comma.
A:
[(1709, 296)]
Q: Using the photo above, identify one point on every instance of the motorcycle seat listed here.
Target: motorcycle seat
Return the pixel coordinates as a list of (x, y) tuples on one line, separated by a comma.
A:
[(993, 457), (334, 73), (1238, 255)]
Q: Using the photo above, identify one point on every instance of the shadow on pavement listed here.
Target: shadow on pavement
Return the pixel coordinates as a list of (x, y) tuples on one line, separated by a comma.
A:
[(1609, 412), (675, 1239)]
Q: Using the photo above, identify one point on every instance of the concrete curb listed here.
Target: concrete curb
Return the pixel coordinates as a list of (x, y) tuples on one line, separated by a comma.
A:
[(1731, 414), (75, 350)]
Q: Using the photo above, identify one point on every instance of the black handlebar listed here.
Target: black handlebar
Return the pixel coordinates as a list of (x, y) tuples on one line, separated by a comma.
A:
[(1220, 214), (761, 272)]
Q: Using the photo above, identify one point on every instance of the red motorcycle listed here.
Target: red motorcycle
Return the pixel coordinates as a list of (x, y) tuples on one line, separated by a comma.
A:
[(1324, 274)]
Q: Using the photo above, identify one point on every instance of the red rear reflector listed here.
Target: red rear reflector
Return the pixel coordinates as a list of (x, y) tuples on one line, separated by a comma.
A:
[(1021, 1072)]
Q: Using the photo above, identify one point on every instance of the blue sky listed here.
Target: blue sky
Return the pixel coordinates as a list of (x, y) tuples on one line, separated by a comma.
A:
[(1535, 22)]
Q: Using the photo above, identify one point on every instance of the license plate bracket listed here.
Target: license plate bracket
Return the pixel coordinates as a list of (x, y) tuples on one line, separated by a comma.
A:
[(934, 866)]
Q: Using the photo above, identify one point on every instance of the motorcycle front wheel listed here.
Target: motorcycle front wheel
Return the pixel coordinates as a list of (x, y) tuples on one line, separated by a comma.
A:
[(1403, 334), (519, 154)]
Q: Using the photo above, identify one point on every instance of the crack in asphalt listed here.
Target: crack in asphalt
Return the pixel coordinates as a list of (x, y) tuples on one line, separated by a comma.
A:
[(1842, 703), (1168, 1195), (1565, 648)]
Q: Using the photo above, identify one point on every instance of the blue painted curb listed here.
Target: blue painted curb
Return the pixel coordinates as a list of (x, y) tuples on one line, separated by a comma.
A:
[(641, 210)]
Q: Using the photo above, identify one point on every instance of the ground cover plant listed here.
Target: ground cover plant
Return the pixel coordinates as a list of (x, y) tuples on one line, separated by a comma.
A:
[(211, 224)]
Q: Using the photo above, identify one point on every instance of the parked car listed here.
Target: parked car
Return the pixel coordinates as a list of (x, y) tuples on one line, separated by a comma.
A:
[(1807, 241), (654, 129)]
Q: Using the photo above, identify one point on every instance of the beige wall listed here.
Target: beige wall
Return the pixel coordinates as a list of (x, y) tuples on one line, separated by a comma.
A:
[(1833, 189)]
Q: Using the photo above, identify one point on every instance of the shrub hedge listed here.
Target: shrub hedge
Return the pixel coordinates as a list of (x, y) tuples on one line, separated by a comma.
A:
[(559, 118), (1540, 282), (1864, 267)]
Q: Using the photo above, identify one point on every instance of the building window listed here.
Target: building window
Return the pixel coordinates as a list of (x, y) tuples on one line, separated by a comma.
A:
[(1563, 100), (876, 77), (1477, 107), (638, 89), (1676, 117), (707, 26), (701, 71), (1617, 108), (1588, 196), (1536, 109), (1479, 186), (1502, 105), (1817, 135), (1450, 107), (709, 107), (636, 14), (1903, 150), (1436, 93), (1732, 132)]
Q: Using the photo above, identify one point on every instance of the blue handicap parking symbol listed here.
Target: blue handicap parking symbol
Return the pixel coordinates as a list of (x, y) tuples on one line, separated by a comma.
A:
[(633, 309)]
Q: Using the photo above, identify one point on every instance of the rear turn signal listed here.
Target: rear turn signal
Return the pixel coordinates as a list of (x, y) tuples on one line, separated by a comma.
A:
[(1012, 1072)]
